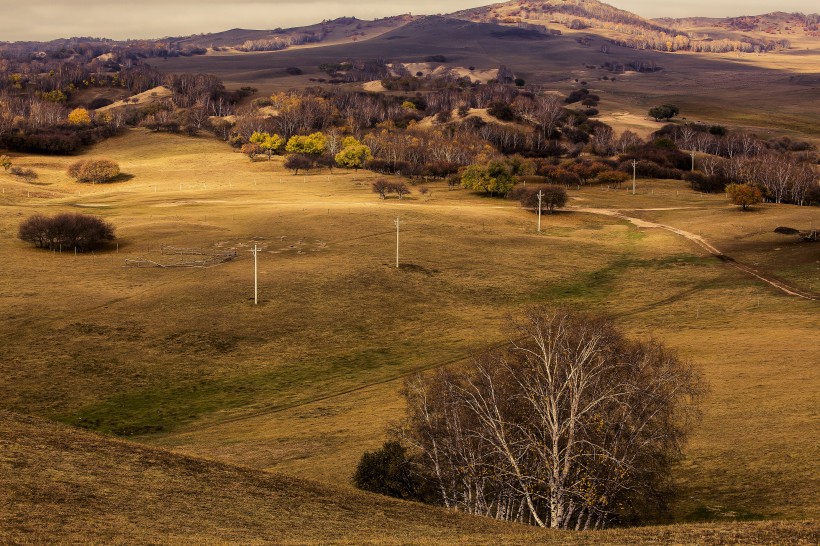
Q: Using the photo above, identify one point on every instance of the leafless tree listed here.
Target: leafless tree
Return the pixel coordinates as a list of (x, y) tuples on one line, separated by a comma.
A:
[(570, 425)]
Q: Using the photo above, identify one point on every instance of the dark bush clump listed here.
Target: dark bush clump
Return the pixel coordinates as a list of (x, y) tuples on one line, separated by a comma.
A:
[(552, 197), (295, 162), (706, 184), (501, 110), (66, 231), (388, 471)]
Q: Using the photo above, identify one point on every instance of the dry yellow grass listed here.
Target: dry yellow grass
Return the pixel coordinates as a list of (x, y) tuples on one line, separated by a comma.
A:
[(61, 485), (307, 380)]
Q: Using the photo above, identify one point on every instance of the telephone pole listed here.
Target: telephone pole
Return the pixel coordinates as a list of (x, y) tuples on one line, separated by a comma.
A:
[(255, 276), (634, 174), (540, 195), (397, 242)]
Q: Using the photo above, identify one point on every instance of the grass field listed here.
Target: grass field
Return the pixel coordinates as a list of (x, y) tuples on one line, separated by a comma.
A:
[(99, 491), (304, 382)]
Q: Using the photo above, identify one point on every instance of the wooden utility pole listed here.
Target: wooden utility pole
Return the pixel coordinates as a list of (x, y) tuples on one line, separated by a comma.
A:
[(397, 242), (634, 174), (255, 276), (540, 195)]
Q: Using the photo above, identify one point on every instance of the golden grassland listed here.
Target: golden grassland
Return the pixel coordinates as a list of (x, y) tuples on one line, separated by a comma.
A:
[(303, 383), (65, 485)]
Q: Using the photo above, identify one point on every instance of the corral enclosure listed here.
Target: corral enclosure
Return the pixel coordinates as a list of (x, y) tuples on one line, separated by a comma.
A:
[(309, 379)]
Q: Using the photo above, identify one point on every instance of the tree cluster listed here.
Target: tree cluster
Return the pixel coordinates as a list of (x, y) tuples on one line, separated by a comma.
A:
[(570, 425), (385, 187), (66, 231)]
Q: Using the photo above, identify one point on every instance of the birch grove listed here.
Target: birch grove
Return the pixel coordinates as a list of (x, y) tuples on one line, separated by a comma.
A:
[(570, 425)]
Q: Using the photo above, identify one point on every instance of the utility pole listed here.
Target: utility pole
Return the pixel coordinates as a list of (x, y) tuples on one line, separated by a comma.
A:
[(693, 160), (540, 195), (634, 174), (397, 242), (255, 276)]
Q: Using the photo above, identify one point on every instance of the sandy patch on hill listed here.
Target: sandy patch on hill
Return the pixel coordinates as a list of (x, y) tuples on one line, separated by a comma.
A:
[(374, 87), (626, 121), (146, 97)]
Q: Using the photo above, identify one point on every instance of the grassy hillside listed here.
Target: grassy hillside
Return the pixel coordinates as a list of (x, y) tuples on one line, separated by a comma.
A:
[(308, 380), (773, 88), (63, 485)]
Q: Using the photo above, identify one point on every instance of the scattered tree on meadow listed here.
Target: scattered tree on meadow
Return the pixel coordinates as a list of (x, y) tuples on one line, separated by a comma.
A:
[(495, 178), (96, 171), (5, 162), (552, 197), (79, 116), (571, 425), (744, 195), (614, 178), (382, 186), (269, 143), (66, 231), (314, 144), (251, 149), (295, 162), (353, 154), (664, 111)]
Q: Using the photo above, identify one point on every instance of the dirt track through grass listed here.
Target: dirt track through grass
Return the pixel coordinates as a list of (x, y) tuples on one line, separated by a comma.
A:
[(703, 243)]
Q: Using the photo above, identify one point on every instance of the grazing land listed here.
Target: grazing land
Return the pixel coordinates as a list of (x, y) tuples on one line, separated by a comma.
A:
[(304, 382), (107, 491)]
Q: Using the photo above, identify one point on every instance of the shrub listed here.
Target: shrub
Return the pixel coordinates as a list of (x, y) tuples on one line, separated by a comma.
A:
[(96, 171), (615, 178), (664, 111), (744, 195), (388, 471), (552, 197), (295, 162), (66, 230), (706, 184), (26, 174), (501, 110)]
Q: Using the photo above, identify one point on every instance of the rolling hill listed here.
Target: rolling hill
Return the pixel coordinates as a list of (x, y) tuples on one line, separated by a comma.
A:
[(72, 486)]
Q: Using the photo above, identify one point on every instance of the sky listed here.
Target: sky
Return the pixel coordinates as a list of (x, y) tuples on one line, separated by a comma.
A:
[(48, 19)]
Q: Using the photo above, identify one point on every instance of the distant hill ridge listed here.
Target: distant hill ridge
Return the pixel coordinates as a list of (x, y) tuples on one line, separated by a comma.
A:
[(620, 27)]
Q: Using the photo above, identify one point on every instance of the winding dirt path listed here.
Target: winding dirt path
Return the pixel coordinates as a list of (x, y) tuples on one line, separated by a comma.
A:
[(708, 247)]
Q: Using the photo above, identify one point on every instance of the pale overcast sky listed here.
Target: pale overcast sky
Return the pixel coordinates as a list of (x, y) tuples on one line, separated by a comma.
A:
[(48, 19)]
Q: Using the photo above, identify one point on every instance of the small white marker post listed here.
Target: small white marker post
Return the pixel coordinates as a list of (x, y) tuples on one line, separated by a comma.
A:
[(397, 242), (540, 195), (634, 174), (255, 276)]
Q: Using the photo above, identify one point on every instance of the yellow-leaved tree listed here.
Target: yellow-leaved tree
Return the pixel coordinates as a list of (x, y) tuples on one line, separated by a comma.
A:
[(79, 116)]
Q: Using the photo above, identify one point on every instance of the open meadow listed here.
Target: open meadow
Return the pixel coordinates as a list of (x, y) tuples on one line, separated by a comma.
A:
[(308, 379)]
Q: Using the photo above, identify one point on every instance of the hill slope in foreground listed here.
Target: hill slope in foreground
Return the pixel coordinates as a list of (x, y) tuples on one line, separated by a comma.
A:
[(74, 486)]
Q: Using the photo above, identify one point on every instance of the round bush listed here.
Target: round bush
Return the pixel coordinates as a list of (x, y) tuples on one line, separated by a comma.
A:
[(96, 171)]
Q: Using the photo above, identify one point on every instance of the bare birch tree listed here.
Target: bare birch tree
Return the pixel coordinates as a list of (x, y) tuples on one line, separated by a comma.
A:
[(570, 425)]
